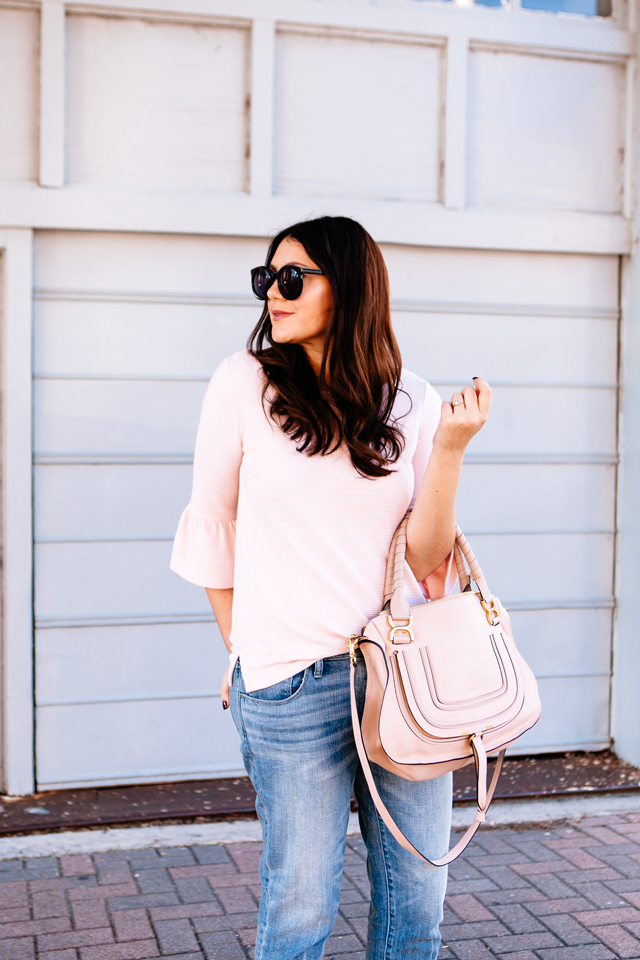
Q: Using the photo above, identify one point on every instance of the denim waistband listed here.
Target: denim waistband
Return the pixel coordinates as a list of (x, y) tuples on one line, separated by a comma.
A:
[(318, 666)]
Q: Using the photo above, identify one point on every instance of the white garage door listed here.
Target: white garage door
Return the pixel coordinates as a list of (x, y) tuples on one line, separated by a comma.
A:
[(128, 329)]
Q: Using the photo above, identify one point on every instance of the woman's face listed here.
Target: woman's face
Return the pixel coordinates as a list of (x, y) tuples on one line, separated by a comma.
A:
[(304, 320)]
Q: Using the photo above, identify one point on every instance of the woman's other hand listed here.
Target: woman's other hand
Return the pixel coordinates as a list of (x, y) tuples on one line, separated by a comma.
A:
[(224, 690), (462, 417), (221, 601)]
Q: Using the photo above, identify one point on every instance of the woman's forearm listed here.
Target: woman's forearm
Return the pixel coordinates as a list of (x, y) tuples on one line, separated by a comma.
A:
[(222, 603), (431, 527)]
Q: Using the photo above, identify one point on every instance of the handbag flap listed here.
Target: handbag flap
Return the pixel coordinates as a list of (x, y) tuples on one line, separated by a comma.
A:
[(459, 675)]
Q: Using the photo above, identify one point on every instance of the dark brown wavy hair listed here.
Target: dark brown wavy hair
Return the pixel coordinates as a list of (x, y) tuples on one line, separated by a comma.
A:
[(351, 401)]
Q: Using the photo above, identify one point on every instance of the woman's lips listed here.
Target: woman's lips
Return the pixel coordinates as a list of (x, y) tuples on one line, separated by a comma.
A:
[(279, 314)]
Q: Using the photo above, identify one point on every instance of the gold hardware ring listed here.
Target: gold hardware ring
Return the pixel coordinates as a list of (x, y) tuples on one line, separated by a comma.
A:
[(491, 612)]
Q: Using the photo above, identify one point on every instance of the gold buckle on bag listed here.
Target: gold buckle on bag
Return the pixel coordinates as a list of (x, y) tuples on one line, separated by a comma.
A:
[(352, 648), (491, 612), (401, 629)]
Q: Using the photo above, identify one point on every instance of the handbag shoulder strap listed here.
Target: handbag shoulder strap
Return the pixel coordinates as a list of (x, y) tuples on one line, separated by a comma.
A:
[(485, 795), (394, 576)]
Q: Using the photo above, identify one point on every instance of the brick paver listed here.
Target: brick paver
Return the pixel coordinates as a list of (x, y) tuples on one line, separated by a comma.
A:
[(571, 892)]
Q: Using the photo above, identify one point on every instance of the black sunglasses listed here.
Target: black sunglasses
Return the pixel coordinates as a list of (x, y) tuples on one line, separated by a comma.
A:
[(290, 280)]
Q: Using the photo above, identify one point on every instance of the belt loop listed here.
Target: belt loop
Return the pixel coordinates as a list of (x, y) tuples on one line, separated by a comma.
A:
[(318, 668)]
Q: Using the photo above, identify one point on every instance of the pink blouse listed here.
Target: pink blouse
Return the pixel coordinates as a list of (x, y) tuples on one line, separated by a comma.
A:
[(302, 540)]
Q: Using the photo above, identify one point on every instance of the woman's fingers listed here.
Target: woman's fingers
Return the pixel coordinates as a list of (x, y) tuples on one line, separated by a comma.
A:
[(465, 402), (446, 412), (476, 399), (483, 391), (470, 399), (456, 400)]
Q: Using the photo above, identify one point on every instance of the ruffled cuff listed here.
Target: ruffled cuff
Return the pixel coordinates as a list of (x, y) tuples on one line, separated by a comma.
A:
[(204, 551), (442, 581)]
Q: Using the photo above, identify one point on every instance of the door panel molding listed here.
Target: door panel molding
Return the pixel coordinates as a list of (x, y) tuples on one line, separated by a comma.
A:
[(16, 248)]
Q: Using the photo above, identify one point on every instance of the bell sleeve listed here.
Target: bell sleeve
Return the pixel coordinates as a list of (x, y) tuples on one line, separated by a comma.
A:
[(442, 581), (204, 545)]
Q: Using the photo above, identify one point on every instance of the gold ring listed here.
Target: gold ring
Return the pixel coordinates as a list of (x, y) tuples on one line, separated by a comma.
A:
[(455, 403)]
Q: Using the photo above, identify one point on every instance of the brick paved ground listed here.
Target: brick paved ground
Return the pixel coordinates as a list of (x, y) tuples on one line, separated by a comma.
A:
[(568, 893)]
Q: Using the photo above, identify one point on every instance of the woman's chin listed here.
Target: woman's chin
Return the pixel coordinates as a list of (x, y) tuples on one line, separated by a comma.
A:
[(281, 336)]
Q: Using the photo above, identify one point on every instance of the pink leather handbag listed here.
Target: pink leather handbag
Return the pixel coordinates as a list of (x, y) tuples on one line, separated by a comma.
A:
[(445, 685)]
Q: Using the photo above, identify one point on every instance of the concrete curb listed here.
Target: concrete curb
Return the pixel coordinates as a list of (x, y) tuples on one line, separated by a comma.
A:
[(502, 813), (514, 812)]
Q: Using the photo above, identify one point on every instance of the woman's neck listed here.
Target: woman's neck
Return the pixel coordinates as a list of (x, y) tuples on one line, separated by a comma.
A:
[(314, 356)]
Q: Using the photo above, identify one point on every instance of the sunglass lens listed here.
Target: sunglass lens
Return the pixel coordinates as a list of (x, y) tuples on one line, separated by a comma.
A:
[(290, 283), (261, 280)]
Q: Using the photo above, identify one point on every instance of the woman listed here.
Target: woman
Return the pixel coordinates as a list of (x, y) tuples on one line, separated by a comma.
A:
[(312, 445)]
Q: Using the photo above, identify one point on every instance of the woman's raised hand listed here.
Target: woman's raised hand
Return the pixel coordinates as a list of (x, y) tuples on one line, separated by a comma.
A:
[(463, 416)]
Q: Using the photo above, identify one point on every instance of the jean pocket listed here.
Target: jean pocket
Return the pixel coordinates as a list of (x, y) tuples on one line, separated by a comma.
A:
[(280, 692)]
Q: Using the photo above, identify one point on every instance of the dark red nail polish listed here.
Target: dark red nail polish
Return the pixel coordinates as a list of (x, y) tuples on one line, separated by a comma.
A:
[(225, 705)]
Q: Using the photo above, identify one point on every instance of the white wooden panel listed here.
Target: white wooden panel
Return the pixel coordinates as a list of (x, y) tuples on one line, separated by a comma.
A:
[(263, 56), (160, 263), (546, 420), (90, 580), (542, 567), (19, 94), (357, 117), (53, 94), (523, 349), (115, 579), (109, 501), (501, 277), (117, 416), (147, 339), (454, 192), (584, 35), (575, 715), (92, 664), (93, 743), (214, 213), (157, 332), (530, 496), (113, 500), (545, 132), (176, 338), (134, 742), (103, 416), (180, 339), (564, 643), (145, 262), (156, 104)]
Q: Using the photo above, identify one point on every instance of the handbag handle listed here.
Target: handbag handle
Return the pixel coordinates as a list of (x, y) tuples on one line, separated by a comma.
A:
[(394, 576), (485, 793)]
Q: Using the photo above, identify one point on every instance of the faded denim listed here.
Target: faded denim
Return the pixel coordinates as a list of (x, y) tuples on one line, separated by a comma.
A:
[(298, 749)]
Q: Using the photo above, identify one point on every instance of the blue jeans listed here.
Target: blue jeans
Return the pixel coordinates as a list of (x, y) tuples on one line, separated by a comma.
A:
[(299, 751)]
